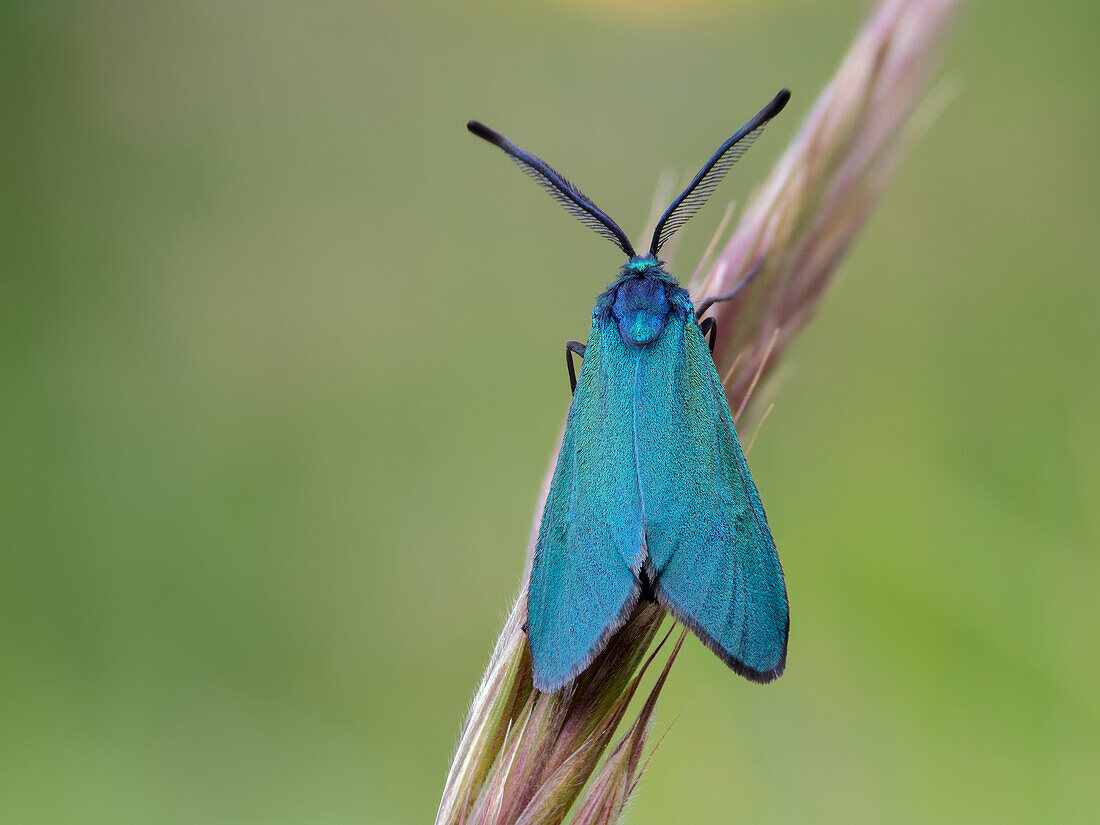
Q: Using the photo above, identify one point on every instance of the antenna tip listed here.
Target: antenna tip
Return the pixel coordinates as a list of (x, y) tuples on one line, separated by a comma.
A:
[(779, 101), (484, 132)]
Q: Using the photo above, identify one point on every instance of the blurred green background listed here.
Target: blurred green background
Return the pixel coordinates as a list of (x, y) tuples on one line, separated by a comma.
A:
[(281, 371)]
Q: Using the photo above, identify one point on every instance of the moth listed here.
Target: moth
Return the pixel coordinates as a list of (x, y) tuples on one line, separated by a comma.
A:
[(651, 496)]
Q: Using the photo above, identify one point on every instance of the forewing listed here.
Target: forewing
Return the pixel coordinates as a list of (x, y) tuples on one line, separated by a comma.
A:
[(590, 546), (710, 552)]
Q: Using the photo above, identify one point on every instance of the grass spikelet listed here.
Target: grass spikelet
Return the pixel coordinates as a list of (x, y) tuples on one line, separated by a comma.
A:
[(524, 756)]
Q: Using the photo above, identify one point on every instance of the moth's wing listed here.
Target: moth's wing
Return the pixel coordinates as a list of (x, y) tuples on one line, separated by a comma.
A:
[(584, 577), (711, 555)]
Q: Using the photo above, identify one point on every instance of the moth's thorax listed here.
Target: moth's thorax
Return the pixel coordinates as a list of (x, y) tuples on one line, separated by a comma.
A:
[(641, 301), (641, 309)]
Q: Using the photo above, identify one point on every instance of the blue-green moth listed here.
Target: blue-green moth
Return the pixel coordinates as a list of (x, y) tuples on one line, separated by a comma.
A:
[(651, 496)]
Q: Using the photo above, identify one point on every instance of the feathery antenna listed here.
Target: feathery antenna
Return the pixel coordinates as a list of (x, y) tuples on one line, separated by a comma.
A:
[(697, 192), (576, 203)]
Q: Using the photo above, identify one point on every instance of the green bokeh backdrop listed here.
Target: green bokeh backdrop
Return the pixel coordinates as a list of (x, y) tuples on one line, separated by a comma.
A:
[(280, 373)]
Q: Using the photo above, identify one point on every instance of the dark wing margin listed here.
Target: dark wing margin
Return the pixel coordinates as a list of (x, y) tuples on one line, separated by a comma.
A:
[(576, 203), (704, 183)]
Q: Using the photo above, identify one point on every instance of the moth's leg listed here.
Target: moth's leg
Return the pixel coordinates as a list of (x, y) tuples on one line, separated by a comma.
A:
[(709, 328), (570, 348), (709, 302)]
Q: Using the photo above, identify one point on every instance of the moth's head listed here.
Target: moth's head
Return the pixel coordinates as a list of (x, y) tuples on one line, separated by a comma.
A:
[(641, 265)]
